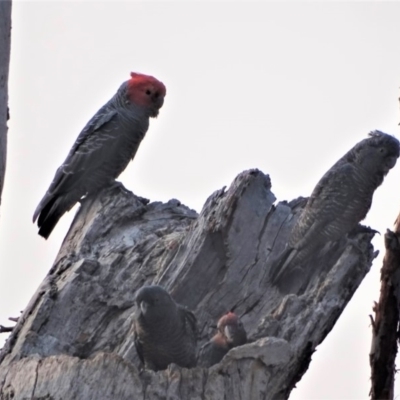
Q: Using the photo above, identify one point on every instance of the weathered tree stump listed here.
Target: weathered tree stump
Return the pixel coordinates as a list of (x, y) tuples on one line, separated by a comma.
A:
[(74, 339)]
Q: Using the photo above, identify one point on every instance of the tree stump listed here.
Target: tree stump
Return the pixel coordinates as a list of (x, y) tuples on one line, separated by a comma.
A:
[(74, 339)]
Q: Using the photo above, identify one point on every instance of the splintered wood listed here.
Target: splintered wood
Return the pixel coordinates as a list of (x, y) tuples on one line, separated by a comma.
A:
[(74, 339)]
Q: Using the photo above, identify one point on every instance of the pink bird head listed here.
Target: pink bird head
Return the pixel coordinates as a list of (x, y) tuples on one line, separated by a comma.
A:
[(229, 318), (146, 91), (230, 326)]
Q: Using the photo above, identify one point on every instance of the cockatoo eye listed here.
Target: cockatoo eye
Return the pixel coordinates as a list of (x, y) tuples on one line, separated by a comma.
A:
[(148, 92), (382, 150)]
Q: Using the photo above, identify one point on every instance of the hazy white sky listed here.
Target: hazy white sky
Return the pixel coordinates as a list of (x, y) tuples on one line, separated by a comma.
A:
[(284, 87)]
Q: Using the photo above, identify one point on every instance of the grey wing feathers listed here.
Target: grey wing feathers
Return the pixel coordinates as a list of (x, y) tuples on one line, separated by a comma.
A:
[(323, 206), (316, 222), (83, 153), (205, 355), (189, 321), (189, 337), (211, 354)]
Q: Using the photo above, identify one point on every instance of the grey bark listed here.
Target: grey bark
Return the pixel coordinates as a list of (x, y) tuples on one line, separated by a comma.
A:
[(5, 39), (385, 323), (74, 339)]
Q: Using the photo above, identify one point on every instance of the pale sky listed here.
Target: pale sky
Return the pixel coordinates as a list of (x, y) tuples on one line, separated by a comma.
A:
[(284, 87)]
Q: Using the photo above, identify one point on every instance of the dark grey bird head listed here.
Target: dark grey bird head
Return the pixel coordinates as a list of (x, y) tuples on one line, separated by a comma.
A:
[(377, 154), (153, 303)]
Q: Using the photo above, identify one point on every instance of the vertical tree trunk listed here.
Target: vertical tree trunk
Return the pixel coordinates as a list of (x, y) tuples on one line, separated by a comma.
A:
[(385, 325), (5, 39)]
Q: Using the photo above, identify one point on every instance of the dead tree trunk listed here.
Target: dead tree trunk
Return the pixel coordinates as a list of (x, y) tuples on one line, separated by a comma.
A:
[(5, 34), (74, 339), (385, 325)]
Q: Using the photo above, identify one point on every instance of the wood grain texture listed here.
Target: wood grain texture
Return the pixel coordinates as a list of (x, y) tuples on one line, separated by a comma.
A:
[(385, 323), (77, 329)]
